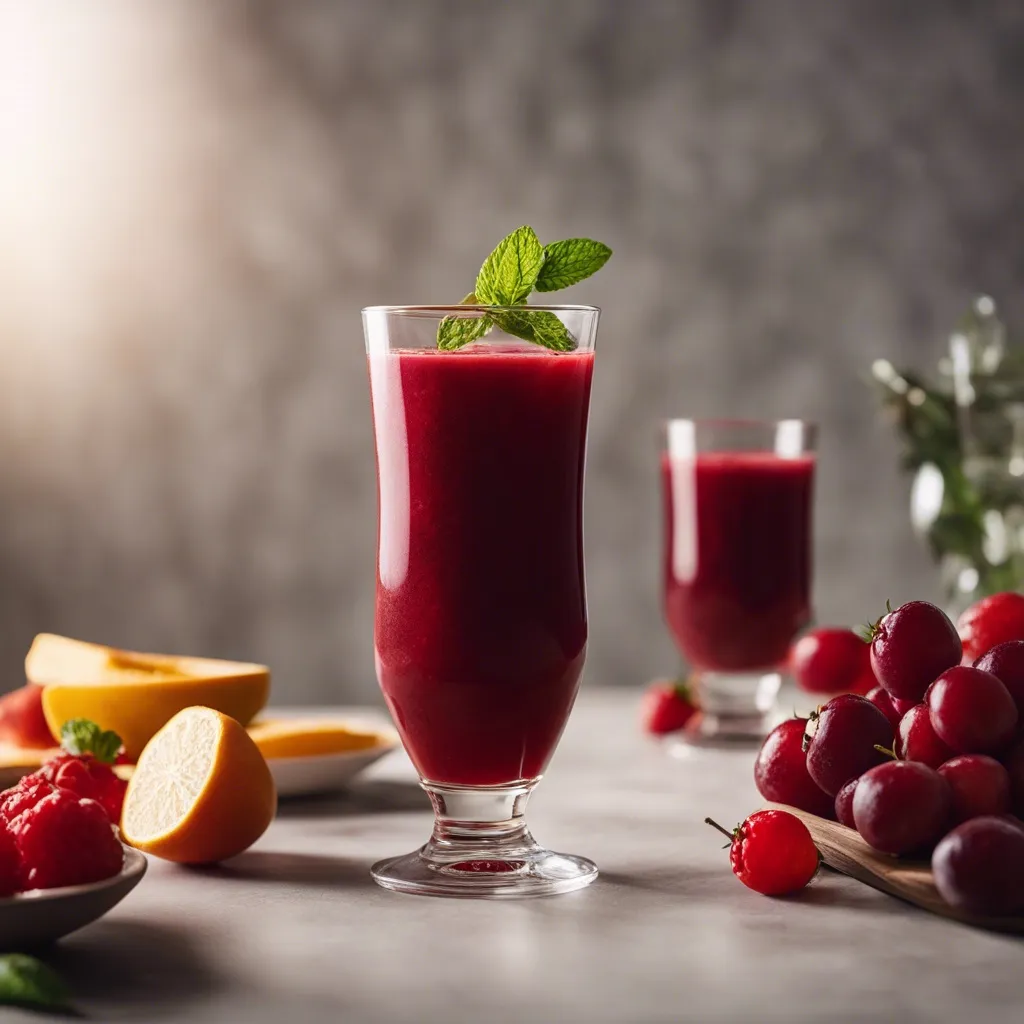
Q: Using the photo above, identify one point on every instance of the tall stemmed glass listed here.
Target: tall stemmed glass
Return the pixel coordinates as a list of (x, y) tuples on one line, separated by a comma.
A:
[(481, 616), (737, 578)]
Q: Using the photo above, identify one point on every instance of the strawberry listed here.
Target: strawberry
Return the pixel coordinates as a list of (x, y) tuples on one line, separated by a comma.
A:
[(84, 766), (27, 793), (667, 707), (65, 840), (85, 776), (10, 864)]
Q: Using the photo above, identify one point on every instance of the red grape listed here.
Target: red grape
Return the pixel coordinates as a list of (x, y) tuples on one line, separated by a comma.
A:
[(780, 771), (916, 739), (911, 646), (901, 807), (971, 711), (991, 621), (831, 660), (1013, 761), (847, 730), (980, 785), (844, 803), (903, 706), (881, 699), (977, 867), (1006, 663)]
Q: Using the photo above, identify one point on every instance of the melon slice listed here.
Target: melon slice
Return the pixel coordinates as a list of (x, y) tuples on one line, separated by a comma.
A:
[(136, 694)]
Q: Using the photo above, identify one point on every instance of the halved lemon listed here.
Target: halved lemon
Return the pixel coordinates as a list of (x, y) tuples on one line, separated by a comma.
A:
[(201, 791)]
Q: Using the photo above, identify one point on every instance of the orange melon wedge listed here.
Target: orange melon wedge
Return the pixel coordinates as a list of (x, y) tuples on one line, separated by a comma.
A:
[(310, 737), (136, 694)]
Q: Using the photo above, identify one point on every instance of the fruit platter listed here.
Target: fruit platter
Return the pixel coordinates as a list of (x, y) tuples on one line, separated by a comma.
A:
[(916, 785), (135, 695), (187, 767)]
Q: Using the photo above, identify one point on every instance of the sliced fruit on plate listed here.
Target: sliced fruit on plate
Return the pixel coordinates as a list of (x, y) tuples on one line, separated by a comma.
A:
[(310, 737), (22, 722), (136, 694), (201, 791), (12, 756)]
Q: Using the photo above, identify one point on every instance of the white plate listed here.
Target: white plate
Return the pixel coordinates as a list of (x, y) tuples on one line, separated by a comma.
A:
[(32, 919), (294, 776), (326, 773)]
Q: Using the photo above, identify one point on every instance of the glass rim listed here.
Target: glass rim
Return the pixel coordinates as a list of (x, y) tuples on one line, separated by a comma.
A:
[(419, 310), (738, 423)]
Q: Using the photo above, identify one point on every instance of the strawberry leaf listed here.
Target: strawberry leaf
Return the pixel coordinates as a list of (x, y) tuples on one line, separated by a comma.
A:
[(80, 736), (684, 691)]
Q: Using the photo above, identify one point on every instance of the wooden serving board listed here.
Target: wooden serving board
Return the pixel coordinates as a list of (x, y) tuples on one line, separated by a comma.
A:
[(843, 850)]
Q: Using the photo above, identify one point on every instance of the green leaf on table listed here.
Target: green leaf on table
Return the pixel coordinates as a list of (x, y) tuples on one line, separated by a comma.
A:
[(455, 331), (540, 326), (80, 736), (509, 273), (26, 981), (570, 261)]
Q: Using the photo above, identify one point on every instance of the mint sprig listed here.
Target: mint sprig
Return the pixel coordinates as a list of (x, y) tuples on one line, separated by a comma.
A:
[(26, 981), (518, 265), (80, 736)]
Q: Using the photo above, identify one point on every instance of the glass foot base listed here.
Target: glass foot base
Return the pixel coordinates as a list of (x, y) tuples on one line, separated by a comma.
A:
[(537, 872), (737, 709), (481, 848)]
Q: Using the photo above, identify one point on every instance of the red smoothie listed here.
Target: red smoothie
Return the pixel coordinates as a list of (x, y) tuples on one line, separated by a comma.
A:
[(737, 556), (481, 620)]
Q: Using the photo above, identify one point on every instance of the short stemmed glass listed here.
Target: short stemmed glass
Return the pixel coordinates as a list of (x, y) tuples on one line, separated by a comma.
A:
[(481, 615), (737, 572)]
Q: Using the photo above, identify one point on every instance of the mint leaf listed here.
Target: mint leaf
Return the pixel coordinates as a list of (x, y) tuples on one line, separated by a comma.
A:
[(540, 326), (469, 300), (570, 261), (508, 274), (455, 331), (26, 981), (80, 736)]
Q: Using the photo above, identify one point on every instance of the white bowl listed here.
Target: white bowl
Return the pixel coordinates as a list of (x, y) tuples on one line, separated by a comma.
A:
[(33, 919), (326, 773)]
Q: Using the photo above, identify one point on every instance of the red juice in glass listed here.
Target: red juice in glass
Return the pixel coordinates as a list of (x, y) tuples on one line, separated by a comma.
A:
[(737, 558), (481, 616), (481, 624)]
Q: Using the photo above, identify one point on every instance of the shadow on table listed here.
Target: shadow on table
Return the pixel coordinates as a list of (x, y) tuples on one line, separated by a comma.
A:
[(133, 969), (313, 869), (669, 881), (698, 882), (375, 796)]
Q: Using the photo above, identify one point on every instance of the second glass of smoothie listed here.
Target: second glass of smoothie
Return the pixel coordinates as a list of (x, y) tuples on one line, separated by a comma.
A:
[(737, 570)]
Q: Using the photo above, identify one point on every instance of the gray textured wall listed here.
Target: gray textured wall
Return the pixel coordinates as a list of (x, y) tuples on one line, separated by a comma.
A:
[(197, 198)]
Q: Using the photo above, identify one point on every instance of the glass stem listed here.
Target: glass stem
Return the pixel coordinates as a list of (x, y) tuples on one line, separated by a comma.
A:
[(468, 818)]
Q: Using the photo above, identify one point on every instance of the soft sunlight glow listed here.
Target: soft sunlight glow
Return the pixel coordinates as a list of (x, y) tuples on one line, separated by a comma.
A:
[(45, 52), (84, 129)]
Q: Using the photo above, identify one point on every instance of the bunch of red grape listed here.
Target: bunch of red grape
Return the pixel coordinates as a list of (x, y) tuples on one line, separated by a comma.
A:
[(930, 761)]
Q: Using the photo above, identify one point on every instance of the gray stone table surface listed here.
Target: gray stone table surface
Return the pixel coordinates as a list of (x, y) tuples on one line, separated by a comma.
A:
[(295, 931)]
